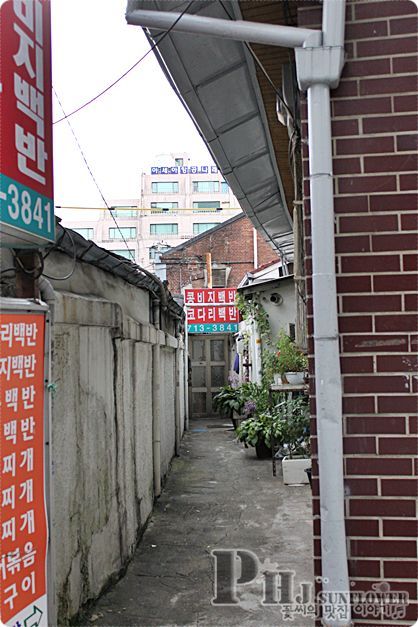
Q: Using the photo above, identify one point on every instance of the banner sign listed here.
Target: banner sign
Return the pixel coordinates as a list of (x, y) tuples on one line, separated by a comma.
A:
[(211, 310), (26, 177), (213, 313), (210, 296), (185, 169), (23, 521)]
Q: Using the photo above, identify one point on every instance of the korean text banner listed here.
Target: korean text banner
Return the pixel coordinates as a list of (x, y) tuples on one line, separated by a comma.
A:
[(23, 523), (210, 296), (26, 175)]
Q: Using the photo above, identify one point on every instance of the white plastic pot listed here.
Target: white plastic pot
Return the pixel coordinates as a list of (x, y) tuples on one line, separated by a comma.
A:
[(295, 378), (294, 470)]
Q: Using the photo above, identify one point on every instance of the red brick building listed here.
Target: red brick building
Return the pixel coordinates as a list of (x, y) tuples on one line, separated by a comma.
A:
[(374, 125), (236, 249)]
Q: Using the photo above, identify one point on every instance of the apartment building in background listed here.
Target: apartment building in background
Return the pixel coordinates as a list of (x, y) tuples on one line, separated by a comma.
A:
[(179, 199)]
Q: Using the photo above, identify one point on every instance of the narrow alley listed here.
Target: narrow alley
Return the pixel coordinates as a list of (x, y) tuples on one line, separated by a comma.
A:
[(218, 496)]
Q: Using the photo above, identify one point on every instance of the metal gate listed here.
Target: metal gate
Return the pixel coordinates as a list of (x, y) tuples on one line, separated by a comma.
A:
[(209, 371)]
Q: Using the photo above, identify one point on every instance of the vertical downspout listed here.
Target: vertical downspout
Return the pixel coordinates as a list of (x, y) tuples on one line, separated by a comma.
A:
[(318, 70), (326, 342), (177, 366), (255, 249), (186, 375), (156, 401)]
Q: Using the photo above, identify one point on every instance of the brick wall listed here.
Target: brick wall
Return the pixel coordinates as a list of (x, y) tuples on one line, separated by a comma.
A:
[(374, 138), (231, 245)]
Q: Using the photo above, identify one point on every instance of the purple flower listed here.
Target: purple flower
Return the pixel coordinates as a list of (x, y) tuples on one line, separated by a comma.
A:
[(249, 408)]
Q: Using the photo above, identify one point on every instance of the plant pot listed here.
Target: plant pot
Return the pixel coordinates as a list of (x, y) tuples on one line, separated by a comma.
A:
[(295, 378), (277, 379), (294, 470), (262, 450)]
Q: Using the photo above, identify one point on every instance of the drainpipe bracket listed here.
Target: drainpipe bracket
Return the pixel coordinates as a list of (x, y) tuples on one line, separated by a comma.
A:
[(319, 65)]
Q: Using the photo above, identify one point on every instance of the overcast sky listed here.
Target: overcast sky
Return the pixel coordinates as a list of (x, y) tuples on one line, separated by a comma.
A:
[(141, 116)]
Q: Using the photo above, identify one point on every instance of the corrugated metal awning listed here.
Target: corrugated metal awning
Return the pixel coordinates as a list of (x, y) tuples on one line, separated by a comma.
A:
[(216, 81)]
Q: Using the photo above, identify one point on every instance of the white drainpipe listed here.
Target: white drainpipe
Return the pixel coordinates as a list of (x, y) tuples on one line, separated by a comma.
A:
[(319, 61)]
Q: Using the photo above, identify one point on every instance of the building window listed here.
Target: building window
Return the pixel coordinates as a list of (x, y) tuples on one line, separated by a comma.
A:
[(155, 252), (224, 187), (124, 213), (206, 187), (207, 204), (124, 232), (201, 227), (87, 233), (164, 206), (165, 187), (219, 277), (164, 229), (125, 252)]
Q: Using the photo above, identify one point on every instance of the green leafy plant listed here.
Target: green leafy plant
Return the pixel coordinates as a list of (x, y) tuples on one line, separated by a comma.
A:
[(293, 417), (227, 400), (289, 357), (252, 308), (269, 366), (255, 430)]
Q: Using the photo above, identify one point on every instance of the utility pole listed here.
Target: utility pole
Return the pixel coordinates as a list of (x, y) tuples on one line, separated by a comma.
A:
[(208, 257)]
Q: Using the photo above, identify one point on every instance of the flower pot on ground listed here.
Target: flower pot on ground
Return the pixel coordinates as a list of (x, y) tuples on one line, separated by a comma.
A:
[(294, 470), (256, 431), (262, 450)]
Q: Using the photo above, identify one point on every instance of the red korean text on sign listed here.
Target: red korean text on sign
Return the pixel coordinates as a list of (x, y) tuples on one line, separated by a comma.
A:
[(26, 99), (210, 296), (207, 314), (23, 524)]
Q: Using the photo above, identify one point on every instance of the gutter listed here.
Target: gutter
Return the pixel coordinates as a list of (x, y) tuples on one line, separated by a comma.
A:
[(319, 62)]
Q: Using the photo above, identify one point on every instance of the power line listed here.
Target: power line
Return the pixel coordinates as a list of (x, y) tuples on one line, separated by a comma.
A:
[(92, 176), (115, 82)]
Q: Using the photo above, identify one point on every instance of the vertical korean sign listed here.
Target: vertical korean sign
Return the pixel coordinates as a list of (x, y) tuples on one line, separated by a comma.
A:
[(26, 176), (23, 521)]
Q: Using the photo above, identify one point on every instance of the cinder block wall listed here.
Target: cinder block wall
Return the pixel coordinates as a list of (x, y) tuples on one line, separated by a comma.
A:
[(374, 127), (102, 419)]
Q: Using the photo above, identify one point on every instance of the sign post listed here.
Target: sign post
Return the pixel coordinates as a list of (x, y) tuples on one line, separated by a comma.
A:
[(211, 310), (26, 177), (24, 421)]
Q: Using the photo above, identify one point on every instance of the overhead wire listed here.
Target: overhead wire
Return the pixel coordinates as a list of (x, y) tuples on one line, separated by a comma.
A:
[(69, 274), (122, 76), (94, 178)]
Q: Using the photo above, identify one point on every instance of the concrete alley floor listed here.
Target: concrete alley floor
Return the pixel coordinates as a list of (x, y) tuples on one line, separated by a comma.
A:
[(218, 496)]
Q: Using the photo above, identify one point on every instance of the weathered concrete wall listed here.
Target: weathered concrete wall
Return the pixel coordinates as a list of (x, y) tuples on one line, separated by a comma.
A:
[(102, 433)]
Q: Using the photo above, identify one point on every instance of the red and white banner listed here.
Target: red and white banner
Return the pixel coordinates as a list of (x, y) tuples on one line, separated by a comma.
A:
[(212, 314), (210, 296), (26, 174), (23, 521)]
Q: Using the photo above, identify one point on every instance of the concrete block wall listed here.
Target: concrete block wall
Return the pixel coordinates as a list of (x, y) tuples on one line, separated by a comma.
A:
[(374, 126), (102, 439)]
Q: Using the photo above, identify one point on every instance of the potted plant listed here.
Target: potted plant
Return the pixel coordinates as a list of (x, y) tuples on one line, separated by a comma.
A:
[(226, 401), (295, 434), (256, 431), (256, 428), (292, 363)]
